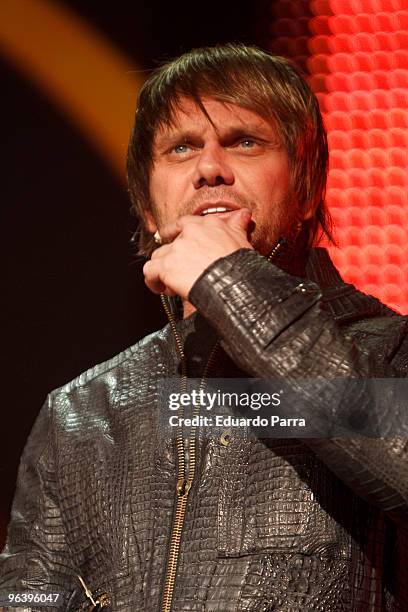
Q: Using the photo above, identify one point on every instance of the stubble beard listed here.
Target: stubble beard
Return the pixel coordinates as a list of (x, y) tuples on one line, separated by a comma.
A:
[(265, 235), (262, 236)]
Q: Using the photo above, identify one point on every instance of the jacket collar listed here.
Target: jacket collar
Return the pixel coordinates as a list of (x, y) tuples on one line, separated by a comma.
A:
[(344, 302)]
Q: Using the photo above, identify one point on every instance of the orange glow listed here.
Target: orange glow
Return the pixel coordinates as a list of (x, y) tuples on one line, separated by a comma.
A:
[(91, 81)]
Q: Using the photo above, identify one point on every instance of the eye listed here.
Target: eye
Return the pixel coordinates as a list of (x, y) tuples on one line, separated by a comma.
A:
[(247, 143), (180, 148)]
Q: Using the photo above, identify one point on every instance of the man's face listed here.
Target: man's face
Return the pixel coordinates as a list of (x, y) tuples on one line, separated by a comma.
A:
[(234, 162)]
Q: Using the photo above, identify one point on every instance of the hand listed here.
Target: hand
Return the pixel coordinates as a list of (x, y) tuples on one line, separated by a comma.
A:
[(194, 243)]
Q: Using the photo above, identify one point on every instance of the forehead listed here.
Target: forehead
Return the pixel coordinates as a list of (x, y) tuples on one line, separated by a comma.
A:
[(218, 117)]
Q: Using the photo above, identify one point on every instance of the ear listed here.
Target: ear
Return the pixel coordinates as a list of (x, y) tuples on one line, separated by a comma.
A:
[(150, 221)]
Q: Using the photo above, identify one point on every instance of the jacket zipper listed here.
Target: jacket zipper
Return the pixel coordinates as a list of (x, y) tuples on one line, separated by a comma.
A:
[(184, 482)]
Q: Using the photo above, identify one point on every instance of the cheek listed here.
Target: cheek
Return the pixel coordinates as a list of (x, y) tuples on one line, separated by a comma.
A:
[(156, 186), (280, 171), (268, 179), (167, 185), (167, 192), (271, 186), (159, 195)]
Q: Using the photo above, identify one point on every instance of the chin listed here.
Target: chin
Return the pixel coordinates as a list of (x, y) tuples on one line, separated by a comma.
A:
[(263, 245)]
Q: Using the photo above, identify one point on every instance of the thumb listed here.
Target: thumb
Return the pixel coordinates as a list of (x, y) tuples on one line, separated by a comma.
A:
[(239, 219)]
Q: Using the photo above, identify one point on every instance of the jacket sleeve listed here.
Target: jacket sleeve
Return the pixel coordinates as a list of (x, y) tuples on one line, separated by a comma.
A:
[(271, 324), (36, 556)]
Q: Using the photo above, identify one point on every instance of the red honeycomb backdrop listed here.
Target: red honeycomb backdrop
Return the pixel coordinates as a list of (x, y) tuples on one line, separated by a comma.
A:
[(356, 53)]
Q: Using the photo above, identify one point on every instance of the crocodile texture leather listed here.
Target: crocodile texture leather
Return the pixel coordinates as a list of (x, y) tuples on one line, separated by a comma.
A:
[(271, 525)]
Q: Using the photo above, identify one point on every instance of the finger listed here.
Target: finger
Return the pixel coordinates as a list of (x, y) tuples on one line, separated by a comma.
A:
[(160, 251), (151, 271), (239, 219), (172, 230)]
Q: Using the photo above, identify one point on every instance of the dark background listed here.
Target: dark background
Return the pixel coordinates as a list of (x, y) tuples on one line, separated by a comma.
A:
[(73, 292)]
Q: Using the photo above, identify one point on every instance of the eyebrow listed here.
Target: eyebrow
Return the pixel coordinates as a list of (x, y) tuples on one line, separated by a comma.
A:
[(163, 141)]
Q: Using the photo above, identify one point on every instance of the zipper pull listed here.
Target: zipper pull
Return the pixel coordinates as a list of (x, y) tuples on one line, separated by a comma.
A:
[(183, 487)]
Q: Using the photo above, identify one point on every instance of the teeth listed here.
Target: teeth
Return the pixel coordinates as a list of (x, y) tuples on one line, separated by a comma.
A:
[(219, 209)]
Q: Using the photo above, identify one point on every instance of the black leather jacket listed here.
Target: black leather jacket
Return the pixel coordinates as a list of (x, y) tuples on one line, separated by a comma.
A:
[(271, 525)]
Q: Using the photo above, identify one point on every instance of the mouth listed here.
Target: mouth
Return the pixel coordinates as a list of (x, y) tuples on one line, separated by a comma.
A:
[(218, 208)]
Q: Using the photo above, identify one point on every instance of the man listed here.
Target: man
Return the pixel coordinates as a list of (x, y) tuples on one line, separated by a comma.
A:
[(227, 168)]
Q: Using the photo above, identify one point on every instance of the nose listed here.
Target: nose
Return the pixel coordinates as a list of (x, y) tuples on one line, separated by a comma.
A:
[(213, 167)]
